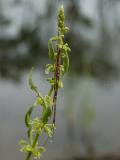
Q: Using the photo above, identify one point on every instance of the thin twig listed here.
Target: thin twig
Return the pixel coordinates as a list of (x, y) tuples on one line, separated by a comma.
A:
[(56, 78)]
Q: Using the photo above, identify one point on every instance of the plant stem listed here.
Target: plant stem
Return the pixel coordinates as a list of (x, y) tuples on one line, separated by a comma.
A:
[(33, 145), (35, 140), (50, 91), (28, 156), (57, 78)]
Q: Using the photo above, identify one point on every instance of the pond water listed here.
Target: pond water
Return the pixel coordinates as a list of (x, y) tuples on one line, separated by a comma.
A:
[(102, 131)]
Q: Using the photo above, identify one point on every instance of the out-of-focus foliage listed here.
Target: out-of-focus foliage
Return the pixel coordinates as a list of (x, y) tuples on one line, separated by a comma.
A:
[(92, 55), (92, 40)]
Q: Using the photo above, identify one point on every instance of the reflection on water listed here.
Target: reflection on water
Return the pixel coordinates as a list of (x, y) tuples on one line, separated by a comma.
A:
[(103, 132)]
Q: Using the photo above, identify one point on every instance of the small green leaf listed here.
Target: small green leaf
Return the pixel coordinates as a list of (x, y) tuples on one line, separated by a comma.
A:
[(39, 101), (27, 148), (49, 129), (66, 47), (22, 142), (32, 85), (49, 68), (36, 125), (60, 84), (51, 81), (37, 152), (66, 62), (61, 71), (28, 114), (55, 38), (46, 115), (48, 100), (41, 149), (66, 29), (50, 50)]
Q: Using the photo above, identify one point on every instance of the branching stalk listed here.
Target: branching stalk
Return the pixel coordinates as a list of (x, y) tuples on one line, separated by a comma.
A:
[(58, 52)]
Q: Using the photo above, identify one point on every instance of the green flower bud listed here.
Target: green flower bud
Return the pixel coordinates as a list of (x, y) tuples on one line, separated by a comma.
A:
[(62, 29)]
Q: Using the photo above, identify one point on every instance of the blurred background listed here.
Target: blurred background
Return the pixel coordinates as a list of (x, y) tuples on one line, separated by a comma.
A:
[(88, 110)]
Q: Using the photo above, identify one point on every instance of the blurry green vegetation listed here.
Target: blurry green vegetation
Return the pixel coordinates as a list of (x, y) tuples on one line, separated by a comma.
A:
[(27, 48)]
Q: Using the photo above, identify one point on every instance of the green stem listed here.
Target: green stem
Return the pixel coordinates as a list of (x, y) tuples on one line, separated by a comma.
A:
[(35, 140), (37, 135), (50, 91), (33, 145), (28, 156)]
